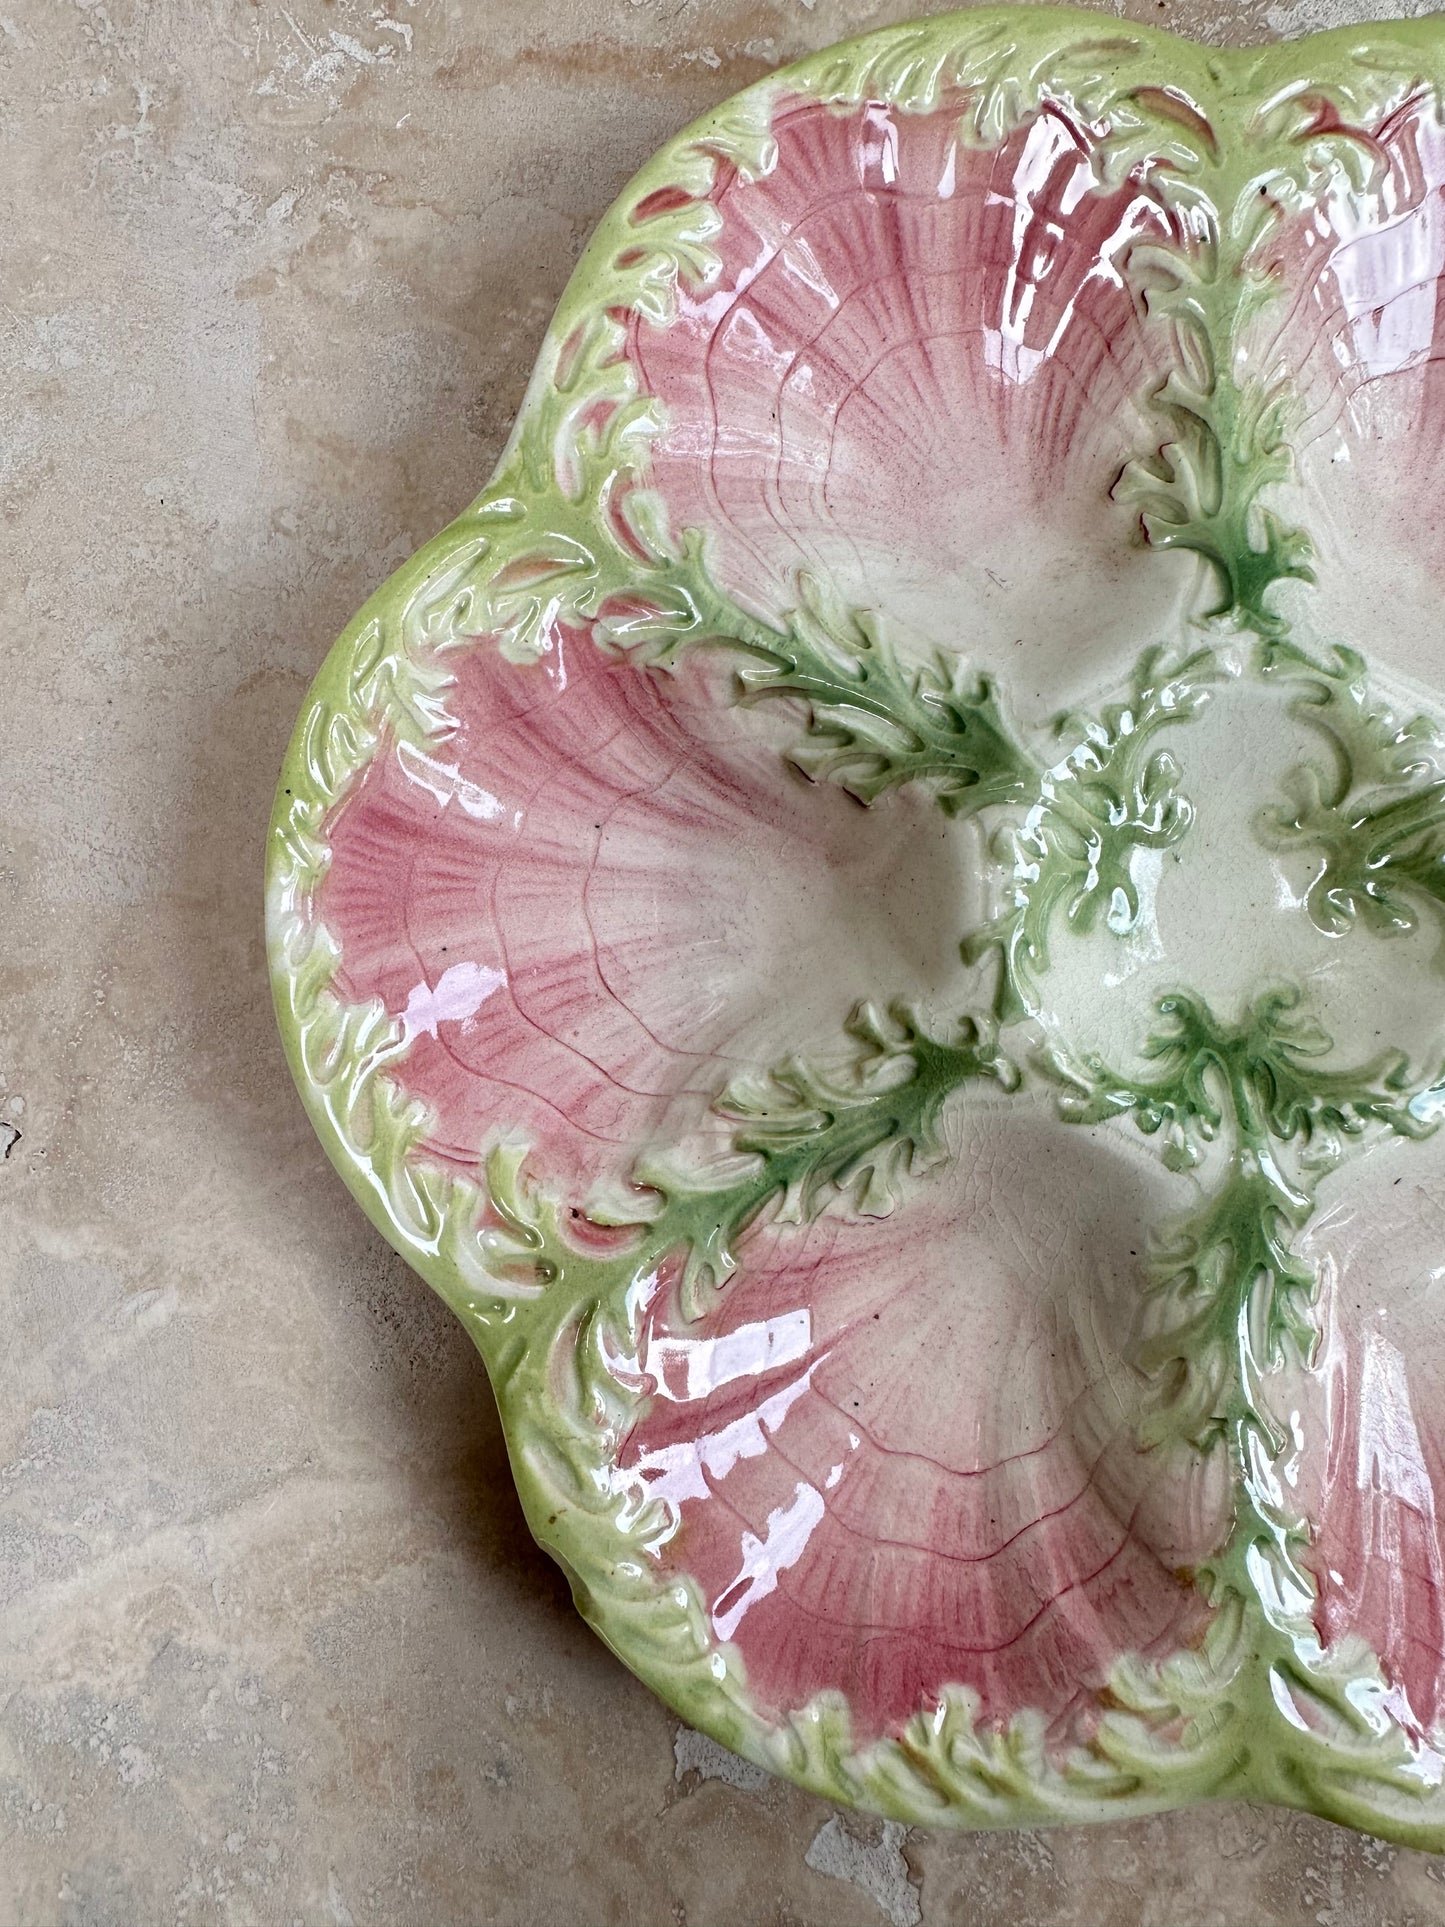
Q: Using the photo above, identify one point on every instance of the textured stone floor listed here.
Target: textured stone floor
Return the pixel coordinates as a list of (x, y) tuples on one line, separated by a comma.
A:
[(274, 1644)]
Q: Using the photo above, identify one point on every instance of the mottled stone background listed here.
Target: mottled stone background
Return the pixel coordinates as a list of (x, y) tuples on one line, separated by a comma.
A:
[(274, 1644)]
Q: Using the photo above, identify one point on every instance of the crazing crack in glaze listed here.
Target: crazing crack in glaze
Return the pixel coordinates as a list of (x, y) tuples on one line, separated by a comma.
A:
[(583, 1301)]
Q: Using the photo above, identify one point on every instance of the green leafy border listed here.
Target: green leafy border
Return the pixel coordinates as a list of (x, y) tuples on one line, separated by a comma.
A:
[(1111, 795), (1373, 810)]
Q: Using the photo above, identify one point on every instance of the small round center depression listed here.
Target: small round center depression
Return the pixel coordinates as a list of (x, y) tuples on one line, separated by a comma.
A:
[(1223, 910)]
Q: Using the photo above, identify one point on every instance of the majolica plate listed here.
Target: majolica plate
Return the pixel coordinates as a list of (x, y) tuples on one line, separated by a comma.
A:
[(871, 917)]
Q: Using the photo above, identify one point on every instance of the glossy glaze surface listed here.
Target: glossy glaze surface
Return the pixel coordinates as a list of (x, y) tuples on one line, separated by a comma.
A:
[(958, 1272)]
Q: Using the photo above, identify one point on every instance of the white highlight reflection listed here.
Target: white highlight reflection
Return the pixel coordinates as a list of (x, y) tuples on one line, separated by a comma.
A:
[(687, 1368), (681, 1472), (446, 783), (786, 1536), (1390, 1457), (1039, 241), (1386, 277), (458, 993)]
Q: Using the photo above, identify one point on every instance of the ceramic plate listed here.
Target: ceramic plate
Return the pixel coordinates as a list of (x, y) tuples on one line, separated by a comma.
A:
[(870, 917)]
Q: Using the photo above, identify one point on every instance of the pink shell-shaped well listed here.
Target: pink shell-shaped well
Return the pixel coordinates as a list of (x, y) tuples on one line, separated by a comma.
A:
[(901, 1457), (916, 375), (1363, 346)]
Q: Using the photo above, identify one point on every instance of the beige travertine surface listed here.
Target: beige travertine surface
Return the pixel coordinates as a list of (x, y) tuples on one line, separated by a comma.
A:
[(274, 1645)]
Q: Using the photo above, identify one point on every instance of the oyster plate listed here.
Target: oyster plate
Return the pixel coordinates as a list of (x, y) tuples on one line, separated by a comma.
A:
[(870, 917)]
